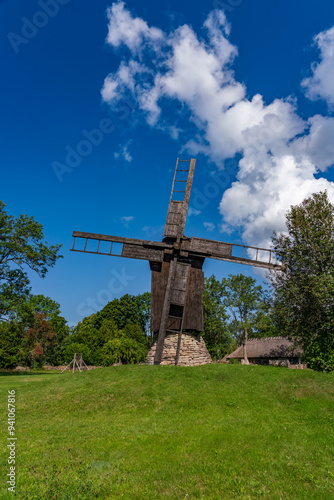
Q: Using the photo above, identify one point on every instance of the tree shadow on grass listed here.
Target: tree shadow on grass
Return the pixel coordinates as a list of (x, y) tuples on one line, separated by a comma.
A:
[(5, 373)]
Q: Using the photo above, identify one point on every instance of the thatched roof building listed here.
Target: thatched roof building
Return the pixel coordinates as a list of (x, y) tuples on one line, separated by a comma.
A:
[(272, 350)]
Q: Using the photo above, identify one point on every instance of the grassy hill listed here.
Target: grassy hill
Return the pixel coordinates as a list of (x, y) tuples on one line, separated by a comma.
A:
[(151, 432)]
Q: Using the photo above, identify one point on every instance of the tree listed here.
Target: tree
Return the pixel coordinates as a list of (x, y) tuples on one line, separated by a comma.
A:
[(10, 344), (85, 333), (244, 299), (21, 248), (123, 320), (304, 291), (38, 341), (74, 347), (122, 348), (129, 309), (26, 312), (216, 332)]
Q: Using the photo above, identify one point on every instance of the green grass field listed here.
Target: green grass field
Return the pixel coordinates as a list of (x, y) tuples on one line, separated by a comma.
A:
[(151, 432)]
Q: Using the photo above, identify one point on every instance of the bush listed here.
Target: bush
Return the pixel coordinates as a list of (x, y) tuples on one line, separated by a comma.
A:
[(76, 347), (122, 348)]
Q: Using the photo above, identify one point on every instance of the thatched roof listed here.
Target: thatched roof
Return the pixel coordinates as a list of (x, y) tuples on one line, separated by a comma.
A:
[(271, 347)]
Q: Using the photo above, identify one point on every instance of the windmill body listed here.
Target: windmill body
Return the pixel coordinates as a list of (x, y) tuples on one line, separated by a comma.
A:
[(177, 283)]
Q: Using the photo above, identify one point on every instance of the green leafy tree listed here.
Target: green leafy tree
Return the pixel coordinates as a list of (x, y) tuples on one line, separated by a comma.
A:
[(74, 347), (26, 316), (263, 324), (10, 344), (216, 332), (245, 299), (95, 338), (37, 341), (129, 309), (304, 291), (86, 333), (135, 332), (21, 248), (124, 349)]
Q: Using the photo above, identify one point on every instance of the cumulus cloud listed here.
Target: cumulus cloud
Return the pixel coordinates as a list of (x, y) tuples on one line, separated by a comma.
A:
[(130, 31), (280, 152), (321, 84)]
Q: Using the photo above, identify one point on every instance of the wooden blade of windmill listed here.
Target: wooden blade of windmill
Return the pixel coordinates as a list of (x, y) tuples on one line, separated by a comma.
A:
[(231, 252), (128, 247), (179, 199)]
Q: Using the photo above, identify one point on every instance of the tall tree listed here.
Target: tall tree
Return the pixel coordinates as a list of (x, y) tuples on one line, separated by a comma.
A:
[(22, 247), (38, 340), (216, 332), (128, 309), (10, 344), (244, 299), (29, 311), (304, 292)]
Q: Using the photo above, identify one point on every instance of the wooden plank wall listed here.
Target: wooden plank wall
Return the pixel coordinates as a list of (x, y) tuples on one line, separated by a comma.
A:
[(193, 319)]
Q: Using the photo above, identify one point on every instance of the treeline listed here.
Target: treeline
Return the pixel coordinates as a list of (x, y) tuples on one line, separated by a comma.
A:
[(38, 335), (300, 305)]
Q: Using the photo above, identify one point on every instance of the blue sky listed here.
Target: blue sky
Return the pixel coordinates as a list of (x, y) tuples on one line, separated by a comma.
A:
[(225, 82)]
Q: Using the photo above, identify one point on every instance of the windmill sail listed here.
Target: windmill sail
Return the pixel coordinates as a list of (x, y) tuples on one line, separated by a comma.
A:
[(130, 247), (179, 199), (232, 252)]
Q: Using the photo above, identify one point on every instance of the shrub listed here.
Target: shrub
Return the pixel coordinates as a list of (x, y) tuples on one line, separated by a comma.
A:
[(122, 348), (76, 347)]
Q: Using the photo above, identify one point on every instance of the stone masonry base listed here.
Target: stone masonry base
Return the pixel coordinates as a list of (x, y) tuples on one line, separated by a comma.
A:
[(193, 351)]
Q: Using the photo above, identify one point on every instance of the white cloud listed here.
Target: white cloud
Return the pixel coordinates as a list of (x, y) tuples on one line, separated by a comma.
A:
[(281, 152), (116, 83), (318, 144), (124, 152), (193, 211), (321, 84), (126, 219), (209, 226), (130, 31), (258, 202)]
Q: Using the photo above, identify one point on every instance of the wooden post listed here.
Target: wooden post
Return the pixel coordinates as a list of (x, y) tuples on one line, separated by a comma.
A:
[(165, 311)]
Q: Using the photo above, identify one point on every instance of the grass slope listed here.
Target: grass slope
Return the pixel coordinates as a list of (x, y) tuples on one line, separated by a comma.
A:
[(151, 432)]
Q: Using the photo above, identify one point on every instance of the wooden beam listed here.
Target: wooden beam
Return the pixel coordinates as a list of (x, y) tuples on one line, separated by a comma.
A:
[(177, 210), (250, 262), (165, 311), (120, 239), (224, 251)]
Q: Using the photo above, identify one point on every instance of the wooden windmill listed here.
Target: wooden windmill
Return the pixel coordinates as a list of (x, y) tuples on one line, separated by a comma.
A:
[(176, 264)]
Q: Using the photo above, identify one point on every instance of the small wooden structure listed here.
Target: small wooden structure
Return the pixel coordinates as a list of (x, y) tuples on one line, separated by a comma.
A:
[(276, 351), (177, 278), (77, 362)]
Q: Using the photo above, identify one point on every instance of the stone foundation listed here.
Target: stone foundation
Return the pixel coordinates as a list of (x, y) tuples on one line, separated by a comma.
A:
[(193, 351)]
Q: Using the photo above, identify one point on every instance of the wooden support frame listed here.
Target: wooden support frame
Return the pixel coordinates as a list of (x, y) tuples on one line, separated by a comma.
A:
[(77, 362)]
